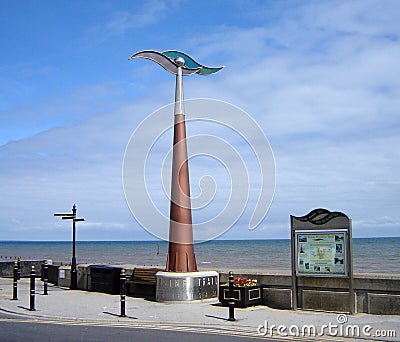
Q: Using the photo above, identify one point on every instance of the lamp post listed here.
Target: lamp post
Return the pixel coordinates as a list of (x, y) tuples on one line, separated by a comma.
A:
[(74, 278)]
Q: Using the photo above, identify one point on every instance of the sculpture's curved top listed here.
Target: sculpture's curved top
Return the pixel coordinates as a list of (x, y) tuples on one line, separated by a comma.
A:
[(167, 60), (191, 63)]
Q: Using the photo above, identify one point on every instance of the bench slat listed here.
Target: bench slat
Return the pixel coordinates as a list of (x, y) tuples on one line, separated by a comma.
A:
[(144, 275)]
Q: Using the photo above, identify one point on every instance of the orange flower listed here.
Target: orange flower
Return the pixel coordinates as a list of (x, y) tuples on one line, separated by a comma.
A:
[(243, 282)]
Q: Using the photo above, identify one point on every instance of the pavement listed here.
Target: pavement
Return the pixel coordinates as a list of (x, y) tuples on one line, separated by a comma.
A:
[(65, 306)]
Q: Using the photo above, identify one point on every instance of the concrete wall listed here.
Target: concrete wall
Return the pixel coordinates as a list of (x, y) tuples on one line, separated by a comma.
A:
[(374, 293), (7, 267), (83, 277), (61, 275)]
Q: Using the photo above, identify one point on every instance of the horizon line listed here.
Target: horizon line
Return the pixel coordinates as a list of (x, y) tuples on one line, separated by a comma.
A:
[(162, 241)]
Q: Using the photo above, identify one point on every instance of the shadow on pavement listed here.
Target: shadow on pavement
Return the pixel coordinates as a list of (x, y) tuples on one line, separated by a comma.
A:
[(116, 315)]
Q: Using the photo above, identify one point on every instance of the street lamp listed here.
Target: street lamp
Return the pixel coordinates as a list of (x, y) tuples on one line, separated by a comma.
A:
[(74, 278)]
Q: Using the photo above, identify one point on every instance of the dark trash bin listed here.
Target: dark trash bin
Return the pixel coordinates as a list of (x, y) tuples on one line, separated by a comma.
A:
[(105, 279), (52, 273)]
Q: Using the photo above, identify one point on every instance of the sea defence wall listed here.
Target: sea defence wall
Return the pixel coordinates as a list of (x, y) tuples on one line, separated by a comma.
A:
[(375, 293), (7, 267)]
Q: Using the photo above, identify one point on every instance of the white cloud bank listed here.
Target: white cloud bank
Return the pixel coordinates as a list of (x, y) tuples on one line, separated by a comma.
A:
[(320, 78)]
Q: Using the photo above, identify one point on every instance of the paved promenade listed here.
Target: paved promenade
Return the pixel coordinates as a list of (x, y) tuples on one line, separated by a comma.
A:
[(62, 305)]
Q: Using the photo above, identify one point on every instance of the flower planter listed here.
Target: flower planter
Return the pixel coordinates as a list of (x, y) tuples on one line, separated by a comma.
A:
[(244, 295)]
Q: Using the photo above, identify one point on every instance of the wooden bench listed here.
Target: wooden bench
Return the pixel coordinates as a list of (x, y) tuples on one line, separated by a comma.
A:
[(143, 282), (144, 275)]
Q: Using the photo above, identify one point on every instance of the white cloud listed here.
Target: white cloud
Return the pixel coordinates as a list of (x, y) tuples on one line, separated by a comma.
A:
[(320, 79), (120, 22)]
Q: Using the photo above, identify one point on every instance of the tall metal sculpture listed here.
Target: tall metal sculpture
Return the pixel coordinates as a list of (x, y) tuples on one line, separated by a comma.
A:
[(181, 257)]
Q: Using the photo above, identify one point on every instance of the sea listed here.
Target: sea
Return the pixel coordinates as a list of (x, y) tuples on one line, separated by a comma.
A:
[(370, 255)]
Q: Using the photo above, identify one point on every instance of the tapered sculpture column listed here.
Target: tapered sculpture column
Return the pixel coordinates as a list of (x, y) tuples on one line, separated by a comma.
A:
[(181, 257), (181, 280)]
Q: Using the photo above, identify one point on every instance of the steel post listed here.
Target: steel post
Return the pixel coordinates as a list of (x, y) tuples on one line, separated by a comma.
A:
[(45, 277), (15, 282), (231, 299), (123, 292), (32, 291), (74, 277), (19, 268)]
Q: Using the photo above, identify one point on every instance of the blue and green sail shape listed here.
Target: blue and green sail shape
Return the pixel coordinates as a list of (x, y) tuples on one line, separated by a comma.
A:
[(191, 63), (167, 60)]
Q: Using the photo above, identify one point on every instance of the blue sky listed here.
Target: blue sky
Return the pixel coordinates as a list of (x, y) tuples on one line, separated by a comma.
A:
[(319, 77)]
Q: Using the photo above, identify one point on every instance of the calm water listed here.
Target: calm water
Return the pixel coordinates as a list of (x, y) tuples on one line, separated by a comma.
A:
[(369, 255)]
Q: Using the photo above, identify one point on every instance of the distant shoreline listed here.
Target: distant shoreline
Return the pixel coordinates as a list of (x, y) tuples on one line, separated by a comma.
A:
[(162, 241), (370, 255)]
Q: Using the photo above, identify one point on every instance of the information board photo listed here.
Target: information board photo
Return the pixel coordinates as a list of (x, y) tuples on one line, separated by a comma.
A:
[(322, 253)]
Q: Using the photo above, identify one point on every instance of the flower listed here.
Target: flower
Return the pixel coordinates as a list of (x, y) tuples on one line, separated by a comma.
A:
[(244, 282)]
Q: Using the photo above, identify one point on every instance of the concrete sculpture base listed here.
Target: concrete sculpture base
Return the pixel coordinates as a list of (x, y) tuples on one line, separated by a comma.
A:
[(187, 286)]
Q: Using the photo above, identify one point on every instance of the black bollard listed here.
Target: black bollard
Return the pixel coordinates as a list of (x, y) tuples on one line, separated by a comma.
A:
[(19, 267), (45, 277), (123, 292), (32, 292), (15, 281), (231, 299)]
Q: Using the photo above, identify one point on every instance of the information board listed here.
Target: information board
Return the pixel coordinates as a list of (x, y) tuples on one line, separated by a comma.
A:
[(322, 253)]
